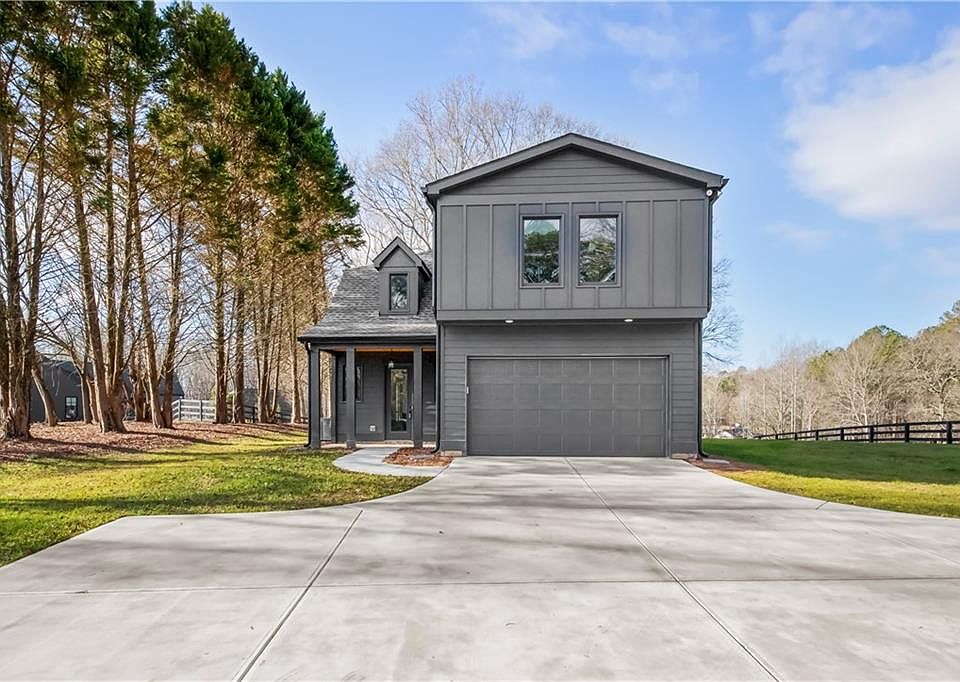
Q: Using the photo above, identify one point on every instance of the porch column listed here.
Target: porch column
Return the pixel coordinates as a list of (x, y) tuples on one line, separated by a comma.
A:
[(314, 404), (417, 397), (350, 379), (332, 393)]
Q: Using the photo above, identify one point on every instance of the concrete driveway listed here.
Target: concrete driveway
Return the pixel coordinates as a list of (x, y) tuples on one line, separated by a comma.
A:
[(501, 569)]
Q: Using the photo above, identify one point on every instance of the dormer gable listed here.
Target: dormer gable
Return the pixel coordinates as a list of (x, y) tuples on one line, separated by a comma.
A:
[(398, 254), (402, 276)]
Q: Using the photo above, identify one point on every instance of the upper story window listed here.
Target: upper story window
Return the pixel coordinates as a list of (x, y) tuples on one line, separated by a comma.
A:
[(399, 293), (541, 250), (597, 263)]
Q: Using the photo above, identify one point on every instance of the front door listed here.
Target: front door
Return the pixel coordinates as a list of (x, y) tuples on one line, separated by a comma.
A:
[(398, 403)]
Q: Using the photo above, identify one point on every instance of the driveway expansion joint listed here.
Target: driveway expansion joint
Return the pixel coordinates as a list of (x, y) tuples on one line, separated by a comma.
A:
[(258, 653), (756, 657)]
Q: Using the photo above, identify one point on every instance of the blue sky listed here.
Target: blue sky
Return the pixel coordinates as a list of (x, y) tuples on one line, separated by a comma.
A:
[(839, 126)]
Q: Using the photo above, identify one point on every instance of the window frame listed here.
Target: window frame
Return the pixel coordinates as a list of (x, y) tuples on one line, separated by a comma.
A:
[(561, 256), (616, 254), (398, 311), (342, 382)]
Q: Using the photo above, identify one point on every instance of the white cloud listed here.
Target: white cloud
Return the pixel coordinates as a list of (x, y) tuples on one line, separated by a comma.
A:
[(887, 147), (646, 41), (669, 36), (527, 29), (674, 88), (814, 45), (945, 262), (807, 238)]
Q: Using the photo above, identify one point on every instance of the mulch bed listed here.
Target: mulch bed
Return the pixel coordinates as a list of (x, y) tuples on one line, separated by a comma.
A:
[(728, 465), (75, 439), (418, 457)]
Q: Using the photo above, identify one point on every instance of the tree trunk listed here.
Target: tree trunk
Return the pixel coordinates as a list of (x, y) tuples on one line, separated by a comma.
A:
[(173, 315), (15, 374), (49, 406), (220, 339), (106, 414), (239, 411)]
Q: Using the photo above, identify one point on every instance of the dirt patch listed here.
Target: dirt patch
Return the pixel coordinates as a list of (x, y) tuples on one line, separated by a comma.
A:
[(726, 465), (75, 439), (418, 457)]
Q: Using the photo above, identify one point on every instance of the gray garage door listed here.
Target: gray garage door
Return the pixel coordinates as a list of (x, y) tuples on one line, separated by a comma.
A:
[(567, 406)]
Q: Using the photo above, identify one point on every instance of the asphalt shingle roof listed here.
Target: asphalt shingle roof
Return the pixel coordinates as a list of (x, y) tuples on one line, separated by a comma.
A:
[(354, 312)]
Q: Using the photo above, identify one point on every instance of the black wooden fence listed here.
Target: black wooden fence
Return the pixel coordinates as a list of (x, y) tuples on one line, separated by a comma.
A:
[(906, 432)]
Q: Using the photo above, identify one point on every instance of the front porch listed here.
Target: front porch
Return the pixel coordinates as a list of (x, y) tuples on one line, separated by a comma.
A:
[(391, 399)]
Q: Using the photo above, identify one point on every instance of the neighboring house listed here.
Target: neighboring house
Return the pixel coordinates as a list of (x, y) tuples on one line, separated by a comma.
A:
[(62, 379), (571, 281)]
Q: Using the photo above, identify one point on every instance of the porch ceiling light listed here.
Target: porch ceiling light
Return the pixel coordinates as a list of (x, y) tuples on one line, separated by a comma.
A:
[(509, 321), (628, 319)]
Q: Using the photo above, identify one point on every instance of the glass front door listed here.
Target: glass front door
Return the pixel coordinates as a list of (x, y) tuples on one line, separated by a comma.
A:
[(398, 384)]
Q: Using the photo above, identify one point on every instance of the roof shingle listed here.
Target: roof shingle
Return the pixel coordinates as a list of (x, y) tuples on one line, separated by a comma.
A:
[(354, 312)]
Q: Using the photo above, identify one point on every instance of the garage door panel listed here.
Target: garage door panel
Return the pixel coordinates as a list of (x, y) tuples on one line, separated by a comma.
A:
[(551, 368), (575, 393), (626, 393), (527, 393), (488, 419), (601, 419), (567, 406), (602, 394)]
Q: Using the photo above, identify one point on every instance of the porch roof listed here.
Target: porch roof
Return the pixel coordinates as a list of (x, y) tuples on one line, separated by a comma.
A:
[(354, 313)]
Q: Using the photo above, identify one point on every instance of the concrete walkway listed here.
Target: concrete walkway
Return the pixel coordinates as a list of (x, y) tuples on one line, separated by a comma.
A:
[(369, 460), (501, 569)]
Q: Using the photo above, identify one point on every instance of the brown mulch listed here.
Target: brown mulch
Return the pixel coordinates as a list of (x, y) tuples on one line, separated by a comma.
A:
[(418, 457), (729, 465), (75, 439)]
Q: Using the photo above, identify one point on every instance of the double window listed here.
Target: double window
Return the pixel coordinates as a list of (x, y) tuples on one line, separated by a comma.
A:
[(597, 238)]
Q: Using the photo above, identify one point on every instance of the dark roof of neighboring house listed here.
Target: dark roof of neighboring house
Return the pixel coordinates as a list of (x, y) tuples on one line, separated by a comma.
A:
[(66, 366), (354, 312), (710, 180)]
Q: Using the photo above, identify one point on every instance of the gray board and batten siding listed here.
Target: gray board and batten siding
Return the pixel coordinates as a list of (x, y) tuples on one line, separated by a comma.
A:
[(663, 247)]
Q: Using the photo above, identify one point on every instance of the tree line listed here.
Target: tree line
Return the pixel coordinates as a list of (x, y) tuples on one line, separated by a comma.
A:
[(164, 197), (882, 376)]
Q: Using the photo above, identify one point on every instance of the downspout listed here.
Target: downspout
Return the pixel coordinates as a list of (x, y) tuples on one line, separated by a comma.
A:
[(438, 363), (713, 195)]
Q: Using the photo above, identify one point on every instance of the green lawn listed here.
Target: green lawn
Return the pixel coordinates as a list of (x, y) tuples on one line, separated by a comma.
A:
[(44, 501), (910, 477)]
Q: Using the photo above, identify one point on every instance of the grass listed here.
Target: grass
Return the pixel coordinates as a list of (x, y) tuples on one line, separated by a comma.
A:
[(46, 500), (910, 477)]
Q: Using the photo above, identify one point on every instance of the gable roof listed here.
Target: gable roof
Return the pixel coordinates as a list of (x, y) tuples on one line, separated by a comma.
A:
[(573, 140), (354, 312), (398, 243)]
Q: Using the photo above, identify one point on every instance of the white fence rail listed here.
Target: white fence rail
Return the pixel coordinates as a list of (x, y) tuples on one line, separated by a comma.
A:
[(205, 411)]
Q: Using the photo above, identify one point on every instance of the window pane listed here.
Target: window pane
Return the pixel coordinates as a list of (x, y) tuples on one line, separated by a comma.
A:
[(541, 250), (598, 250), (399, 297)]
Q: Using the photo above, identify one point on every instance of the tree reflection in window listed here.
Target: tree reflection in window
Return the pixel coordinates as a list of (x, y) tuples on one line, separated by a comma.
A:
[(541, 250), (598, 250), (399, 293)]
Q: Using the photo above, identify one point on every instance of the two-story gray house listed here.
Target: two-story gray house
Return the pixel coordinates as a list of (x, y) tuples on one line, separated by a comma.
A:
[(559, 313)]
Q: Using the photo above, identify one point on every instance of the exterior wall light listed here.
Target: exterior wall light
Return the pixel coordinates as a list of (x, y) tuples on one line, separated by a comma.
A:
[(509, 321), (628, 319)]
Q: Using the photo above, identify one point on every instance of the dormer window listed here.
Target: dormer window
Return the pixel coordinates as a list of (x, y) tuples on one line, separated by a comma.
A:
[(399, 292), (403, 276)]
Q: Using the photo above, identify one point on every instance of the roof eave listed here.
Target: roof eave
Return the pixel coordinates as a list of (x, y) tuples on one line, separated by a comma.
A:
[(710, 180)]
